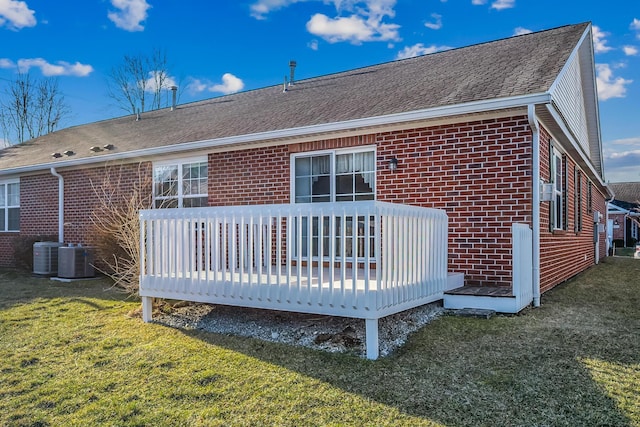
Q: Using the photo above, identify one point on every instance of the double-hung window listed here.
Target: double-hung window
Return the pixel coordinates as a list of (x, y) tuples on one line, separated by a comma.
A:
[(180, 183), (10, 205), (335, 176), (558, 204)]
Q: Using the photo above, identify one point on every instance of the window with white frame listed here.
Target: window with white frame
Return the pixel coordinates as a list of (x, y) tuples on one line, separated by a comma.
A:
[(335, 176), (10, 205), (180, 183), (558, 204)]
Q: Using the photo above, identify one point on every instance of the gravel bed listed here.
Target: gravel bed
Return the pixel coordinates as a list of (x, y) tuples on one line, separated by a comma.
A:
[(328, 333)]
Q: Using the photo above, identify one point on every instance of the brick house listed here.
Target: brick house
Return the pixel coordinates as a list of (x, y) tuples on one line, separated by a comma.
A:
[(623, 214), (475, 131)]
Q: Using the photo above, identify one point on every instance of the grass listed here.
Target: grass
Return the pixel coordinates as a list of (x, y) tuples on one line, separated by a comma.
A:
[(70, 355)]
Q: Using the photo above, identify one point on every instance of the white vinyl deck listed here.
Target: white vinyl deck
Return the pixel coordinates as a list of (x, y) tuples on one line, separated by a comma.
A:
[(226, 255)]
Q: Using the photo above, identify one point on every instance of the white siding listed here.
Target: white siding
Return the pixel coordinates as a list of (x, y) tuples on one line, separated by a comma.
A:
[(569, 98)]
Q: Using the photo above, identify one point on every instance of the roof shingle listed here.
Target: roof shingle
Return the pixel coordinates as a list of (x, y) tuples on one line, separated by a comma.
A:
[(515, 66)]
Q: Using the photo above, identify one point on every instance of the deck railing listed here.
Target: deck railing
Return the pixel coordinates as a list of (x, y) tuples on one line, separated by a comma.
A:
[(355, 259)]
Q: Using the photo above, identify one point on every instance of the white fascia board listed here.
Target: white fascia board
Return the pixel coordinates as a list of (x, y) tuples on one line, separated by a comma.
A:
[(406, 117), (575, 145)]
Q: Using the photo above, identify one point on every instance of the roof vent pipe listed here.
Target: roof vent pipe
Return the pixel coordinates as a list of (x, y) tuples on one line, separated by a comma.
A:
[(174, 95), (292, 69)]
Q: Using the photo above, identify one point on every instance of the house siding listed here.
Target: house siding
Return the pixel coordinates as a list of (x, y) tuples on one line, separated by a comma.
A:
[(565, 253), (479, 172)]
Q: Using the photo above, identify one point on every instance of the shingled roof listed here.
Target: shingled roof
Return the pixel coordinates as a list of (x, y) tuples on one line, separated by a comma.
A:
[(512, 67), (627, 194)]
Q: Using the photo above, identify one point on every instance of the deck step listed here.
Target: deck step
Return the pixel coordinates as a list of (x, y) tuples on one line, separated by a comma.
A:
[(498, 299)]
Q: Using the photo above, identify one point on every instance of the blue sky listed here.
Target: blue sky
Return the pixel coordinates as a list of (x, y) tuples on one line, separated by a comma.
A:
[(217, 47)]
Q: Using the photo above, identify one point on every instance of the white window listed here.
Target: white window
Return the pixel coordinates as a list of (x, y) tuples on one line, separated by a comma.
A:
[(180, 183), (10, 205), (334, 176), (557, 206)]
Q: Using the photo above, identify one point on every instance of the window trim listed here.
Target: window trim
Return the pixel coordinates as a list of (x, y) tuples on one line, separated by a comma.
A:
[(333, 153), (180, 162), (6, 207), (557, 216), (577, 195)]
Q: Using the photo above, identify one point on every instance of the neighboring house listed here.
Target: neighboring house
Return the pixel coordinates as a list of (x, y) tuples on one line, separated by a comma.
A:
[(476, 132), (623, 211)]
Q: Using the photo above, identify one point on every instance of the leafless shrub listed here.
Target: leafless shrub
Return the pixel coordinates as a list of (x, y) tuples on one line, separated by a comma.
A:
[(116, 224)]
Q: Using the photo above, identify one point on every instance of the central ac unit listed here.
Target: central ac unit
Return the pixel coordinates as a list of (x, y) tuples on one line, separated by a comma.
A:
[(45, 258), (75, 262)]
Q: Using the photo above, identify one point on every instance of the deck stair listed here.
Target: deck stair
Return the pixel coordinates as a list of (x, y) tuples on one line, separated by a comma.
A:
[(498, 298)]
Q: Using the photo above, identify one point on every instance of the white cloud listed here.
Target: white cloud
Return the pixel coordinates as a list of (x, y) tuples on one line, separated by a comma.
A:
[(435, 25), (608, 85), (503, 4), (152, 85), (630, 50), (262, 8), (621, 159), (60, 68), (635, 25), (6, 63), (16, 14), (599, 42), (518, 31), (356, 21), (130, 14), (313, 44), (229, 84), (419, 49), (354, 29), (478, 2)]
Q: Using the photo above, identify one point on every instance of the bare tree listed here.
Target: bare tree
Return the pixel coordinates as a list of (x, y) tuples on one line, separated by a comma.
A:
[(30, 108), (138, 76)]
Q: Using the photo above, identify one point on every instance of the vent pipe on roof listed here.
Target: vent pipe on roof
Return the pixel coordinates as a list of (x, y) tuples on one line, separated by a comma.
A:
[(174, 95), (284, 85), (292, 69)]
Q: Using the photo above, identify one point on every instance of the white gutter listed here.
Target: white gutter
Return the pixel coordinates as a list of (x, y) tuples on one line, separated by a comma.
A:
[(425, 114), (60, 204), (535, 214)]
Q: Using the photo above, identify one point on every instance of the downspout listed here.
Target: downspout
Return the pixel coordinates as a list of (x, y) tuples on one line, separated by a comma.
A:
[(531, 114), (60, 204)]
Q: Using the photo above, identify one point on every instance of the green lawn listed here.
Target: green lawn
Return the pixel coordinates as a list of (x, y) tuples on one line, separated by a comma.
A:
[(70, 355)]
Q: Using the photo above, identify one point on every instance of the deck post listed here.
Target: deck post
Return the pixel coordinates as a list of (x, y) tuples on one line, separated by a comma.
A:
[(371, 337), (147, 309)]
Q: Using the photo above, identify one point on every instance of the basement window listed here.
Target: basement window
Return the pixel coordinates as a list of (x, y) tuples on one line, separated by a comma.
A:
[(180, 183), (10, 205)]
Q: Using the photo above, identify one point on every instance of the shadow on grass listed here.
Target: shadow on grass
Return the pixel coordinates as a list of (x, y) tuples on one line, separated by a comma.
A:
[(539, 368)]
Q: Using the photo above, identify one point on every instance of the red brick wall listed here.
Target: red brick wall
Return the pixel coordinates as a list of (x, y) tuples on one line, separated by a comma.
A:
[(38, 213), (565, 253), (81, 201), (249, 177), (479, 173)]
